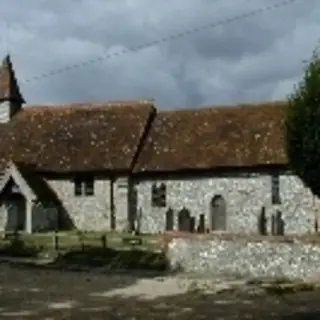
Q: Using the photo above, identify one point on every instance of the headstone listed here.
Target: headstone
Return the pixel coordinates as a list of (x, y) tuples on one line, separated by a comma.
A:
[(218, 212), (169, 219), (273, 225), (184, 220), (201, 223), (192, 224), (279, 223), (262, 222)]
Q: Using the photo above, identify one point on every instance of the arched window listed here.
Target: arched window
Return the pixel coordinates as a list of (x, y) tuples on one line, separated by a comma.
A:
[(159, 195)]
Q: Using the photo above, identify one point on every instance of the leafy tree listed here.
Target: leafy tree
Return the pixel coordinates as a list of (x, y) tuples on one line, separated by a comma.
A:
[(302, 125)]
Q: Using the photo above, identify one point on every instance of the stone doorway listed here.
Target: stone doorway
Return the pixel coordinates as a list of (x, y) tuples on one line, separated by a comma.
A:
[(218, 213), (16, 209)]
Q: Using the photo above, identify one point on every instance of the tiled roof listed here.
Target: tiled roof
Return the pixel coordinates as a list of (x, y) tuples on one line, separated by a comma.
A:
[(9, 88), (76, 137), (108, 136), (243, 135)]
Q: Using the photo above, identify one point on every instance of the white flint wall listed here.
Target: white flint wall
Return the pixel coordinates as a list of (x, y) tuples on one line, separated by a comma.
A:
[(240, 258), (245, 196)]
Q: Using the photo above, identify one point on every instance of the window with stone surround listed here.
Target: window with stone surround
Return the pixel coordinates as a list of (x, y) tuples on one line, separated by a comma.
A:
[(159, 195), (275, 189), (84, 186)]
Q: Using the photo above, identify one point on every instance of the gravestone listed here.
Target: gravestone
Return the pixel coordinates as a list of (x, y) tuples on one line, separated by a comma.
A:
[(218, 213), (273, 225), (262, 222), (184, 220), (277, 224), (169, 219), (280, 223), (201, 226), (192, 224)]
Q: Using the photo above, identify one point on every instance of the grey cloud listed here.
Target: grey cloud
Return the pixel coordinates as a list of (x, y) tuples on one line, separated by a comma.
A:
[(257, 58)]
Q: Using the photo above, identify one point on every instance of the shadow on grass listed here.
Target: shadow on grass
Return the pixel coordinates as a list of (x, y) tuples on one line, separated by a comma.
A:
[(18, 248), (86, 257), (114, 259)]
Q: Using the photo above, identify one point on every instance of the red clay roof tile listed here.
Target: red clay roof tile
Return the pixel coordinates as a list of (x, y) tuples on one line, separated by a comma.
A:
[(79, 137), (243, 135)]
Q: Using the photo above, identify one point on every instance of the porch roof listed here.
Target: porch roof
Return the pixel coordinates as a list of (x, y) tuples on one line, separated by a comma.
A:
[(31, 184)]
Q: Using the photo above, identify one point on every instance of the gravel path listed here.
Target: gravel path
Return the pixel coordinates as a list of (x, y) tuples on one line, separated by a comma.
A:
[(28, 293)]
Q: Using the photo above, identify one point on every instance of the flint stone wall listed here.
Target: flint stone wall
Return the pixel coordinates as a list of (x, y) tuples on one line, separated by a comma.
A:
[(241, 258), (245, 195)]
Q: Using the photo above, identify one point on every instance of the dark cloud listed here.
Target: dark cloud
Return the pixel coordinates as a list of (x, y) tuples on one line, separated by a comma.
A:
[(256, 58)]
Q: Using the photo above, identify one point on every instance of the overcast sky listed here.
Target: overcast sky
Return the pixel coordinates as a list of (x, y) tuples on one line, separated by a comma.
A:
[(257, 58)]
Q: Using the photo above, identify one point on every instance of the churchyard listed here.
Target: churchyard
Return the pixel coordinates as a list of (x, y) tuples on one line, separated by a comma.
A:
[(94, 275), (36, 292)]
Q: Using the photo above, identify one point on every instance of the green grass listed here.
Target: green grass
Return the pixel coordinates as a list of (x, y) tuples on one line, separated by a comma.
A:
[(87, 249), (113, 258), (73, 240)]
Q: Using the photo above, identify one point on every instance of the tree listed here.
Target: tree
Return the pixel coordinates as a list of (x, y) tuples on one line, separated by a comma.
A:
[(302, 126)]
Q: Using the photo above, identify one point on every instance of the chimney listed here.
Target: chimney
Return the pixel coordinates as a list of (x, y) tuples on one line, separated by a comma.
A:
[(11, 99)]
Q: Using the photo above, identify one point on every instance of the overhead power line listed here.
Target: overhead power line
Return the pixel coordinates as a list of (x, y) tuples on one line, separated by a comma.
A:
[(162, 40)]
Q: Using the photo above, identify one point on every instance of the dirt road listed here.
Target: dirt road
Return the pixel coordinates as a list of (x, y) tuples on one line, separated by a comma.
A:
[(28, 293)]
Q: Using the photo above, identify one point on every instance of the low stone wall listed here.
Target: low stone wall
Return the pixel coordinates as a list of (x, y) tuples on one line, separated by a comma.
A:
[(245, 258)]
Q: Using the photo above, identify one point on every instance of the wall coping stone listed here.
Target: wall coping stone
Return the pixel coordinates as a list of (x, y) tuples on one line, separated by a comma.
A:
[(246, 238)]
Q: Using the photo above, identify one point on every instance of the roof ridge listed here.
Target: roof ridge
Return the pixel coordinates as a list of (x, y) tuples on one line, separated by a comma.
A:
[(246, 105), (98, 102), (94, 104), (86, 106)]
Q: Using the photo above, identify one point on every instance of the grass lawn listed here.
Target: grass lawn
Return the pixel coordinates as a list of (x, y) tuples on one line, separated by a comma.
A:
[(88, 249), (74, 239)]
